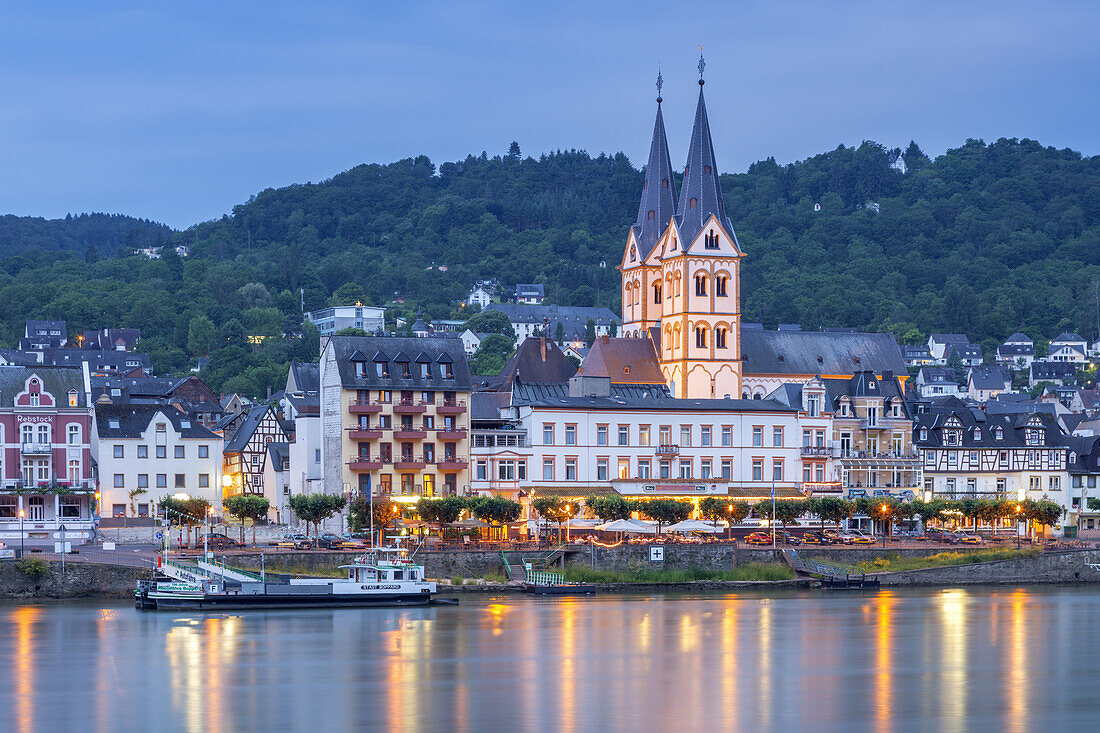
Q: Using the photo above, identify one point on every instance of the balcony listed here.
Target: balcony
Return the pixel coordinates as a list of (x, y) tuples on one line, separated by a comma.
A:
[(409, 407), (884, 423), (863, 455), (452, 463), (409, 434), (364, 408), (365, 464), (819, 451), (668, 450), (408, 463), (822, 488), (364, 433), (36, 448), (455, 407), (450, 433)]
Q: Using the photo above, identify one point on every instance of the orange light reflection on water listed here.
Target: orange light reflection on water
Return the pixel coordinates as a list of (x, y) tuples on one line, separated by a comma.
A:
[(25, 618)]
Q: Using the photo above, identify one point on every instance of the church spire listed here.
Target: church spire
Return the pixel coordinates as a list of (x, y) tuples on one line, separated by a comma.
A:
[(658, 195), (700, 194)]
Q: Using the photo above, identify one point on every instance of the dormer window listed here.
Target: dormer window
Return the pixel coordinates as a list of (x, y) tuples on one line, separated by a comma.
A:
[(998, 434), (406, 373), (1034, 437), (72, 398), (952, 437), (924, 433), (425, 371), (692, 203), (977, 434)]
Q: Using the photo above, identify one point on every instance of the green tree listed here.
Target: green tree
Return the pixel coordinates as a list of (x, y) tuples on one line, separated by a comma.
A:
[(714, 508), (351, 331), (247, 506), (739, 511), (495, 509), (559, 332), (349, 293), (589, 332), (833, 509), (491, 355), (201, 333), (386, 512), (555, 509), (316, 508), (609, 507), (492, 321), (665, 511)]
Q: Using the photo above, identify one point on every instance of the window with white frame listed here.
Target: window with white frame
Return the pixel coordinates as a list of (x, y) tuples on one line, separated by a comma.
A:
[(481, 470), (758, 469), (601, 469), (727, 436), (570, 469), (547, 469), (643, 468), (704, 436), (624, 435)]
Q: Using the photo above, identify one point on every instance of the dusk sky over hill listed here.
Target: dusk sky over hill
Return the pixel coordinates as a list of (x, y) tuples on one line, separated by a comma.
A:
[(178, 113)]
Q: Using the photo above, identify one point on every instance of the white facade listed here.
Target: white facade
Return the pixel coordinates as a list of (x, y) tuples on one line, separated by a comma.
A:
[(479, 296), (159, 461), (304, 475), (470, 342), (584, 449), (330, 320)]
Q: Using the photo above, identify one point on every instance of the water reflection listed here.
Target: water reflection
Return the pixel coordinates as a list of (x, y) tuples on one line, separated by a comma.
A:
[(952, 659)]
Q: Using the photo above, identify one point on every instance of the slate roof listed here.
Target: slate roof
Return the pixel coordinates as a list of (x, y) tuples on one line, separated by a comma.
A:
[(671, 404), (988, 377), (486, 406), (623, 360), (307, 376), (1013, 429), (248, 426), (530, 290), (863, 384), (701, 181), (538, 359), (937, 375), (658, 192), (1041, 370), (949, 338), (915, 352), (964, 351), (43, 328), (530, 313), (133, 420), (1085, 454), (395, 350), (18, 358), (524, 393), (120, 361), (1018, 337), (278, 452), (819, 352), (1011, 351), (58, 381), (1068, 336), (789, 393)]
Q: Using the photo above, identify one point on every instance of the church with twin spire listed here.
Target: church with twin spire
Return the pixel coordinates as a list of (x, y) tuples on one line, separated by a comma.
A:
[(681, 268)]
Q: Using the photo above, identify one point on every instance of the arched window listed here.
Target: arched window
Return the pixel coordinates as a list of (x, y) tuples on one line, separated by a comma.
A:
[(710, 241), (719, 338), (701, 337), (74, 471), (43, 434), (692, 203), (651, 216), (664, 183), (700, 284), (27, 432), (720, 286), (657, 292), (72, 398), (706, 169), (74, 434)]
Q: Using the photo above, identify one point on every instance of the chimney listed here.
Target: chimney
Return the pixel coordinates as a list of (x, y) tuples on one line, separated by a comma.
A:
[(606, 338), (542, 345)]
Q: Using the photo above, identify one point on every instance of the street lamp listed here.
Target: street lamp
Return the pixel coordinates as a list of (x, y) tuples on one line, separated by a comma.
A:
[(568, 508), (206, 532), (22, 548), (885, 524)]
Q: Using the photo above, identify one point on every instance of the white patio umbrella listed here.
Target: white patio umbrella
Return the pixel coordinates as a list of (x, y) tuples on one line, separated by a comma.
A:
[(628, 525), (576, 523), (694, 525)]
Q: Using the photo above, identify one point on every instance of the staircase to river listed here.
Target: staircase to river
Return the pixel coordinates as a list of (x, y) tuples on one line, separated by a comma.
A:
[(831, 574)]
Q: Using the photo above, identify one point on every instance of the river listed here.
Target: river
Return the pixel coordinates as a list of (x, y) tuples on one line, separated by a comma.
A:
[(930, 660)]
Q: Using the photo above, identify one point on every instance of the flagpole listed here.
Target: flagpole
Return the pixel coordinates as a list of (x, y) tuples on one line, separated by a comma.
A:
[(370, 494)]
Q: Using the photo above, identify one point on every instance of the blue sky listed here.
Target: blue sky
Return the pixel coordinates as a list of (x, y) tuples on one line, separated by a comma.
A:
[(179, 111)]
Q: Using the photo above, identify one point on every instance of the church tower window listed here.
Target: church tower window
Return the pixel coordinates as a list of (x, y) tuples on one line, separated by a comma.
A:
[(657, 293), (700, 284), (651, 215), (692, 204), (710, 240), (701, 337), (720, 286), (719, 338)]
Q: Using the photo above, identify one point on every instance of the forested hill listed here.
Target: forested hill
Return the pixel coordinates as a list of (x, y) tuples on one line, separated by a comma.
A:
[(985, 239), (108, 235)]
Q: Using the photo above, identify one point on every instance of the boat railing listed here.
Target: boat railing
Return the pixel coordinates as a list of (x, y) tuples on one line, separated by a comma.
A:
[(545, 577)]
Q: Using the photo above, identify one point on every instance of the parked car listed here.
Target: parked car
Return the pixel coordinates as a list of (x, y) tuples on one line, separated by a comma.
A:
[(833, 535), (817, 538), (856, 537), (787, 538), (295, 542), (330, 541), (965, 538), (218, 541), (940, 535), (759, 538)]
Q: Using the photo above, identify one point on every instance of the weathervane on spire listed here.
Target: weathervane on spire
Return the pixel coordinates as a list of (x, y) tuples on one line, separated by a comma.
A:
[(660, 83), (702, 65)]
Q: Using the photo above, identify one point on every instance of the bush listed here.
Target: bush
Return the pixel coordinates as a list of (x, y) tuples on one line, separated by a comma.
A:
[(31, 567)]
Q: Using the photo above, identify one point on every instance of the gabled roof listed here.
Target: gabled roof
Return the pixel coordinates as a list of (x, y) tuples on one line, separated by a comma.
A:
[(524, 393), (964, 351), (1068, 336), (278, 452), (538, 359), (623, 360), (701, 185), (819, 352), (529, 290), (658, 191), (980, 430), (937, 375), (1052, 369), (863, 384), (248, 426), (1018, 337), (307, 376)]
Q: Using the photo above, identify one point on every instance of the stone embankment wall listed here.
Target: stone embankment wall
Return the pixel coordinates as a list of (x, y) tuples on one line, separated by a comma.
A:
[(1051, 567), (79, 580)]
